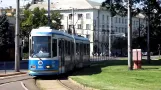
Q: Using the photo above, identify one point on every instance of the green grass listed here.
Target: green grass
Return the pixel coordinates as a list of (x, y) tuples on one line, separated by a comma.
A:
[(114, 75)]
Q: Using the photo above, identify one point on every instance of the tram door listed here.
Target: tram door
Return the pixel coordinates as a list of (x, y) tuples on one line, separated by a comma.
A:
[(61, 54)]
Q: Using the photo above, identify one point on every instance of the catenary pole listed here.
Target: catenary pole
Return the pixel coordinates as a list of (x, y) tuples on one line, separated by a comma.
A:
[(148, 34), (17, 38), (48, 12), (109, 39), (129, 36), (73, 20)]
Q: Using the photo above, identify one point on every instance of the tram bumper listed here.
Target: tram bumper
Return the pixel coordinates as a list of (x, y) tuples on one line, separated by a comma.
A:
[(43, 72)]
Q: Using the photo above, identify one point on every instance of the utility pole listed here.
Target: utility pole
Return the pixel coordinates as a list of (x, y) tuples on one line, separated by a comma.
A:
[(148, 30), (110, 18), (17, 38), (139, 34), (73, 21), (49, 12), (129, 36)]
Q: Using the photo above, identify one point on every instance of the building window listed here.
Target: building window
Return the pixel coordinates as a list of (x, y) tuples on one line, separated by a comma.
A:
[(116, 29), (88, 36), (107, 27), (107, 18), (125, 30), (116, 20), (70, 16), (70, 26), (88, 16), (103, 17), (62, 16), (123, 20), (122, 29), (62, 27), (119, 20), (80, 26), (103, 26), (80, 16), (88, 26)]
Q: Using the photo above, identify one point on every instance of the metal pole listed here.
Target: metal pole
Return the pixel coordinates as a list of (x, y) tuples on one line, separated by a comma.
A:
[(17, 49), (49, 12), (139, 35), (148, 30), (129, 36), (73, 20), (110, 18)]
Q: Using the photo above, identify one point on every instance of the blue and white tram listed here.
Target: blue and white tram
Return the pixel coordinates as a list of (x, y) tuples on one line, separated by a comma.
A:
[(52, 52)]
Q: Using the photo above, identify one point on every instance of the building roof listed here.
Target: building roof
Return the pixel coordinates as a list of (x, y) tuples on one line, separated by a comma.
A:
[(68, 4)]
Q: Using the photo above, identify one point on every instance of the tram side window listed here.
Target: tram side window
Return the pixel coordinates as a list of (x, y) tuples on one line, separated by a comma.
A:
[(69, 52), (72, 48), (66, 47), (85, 49), (54, 48), (61, 44), (77, 48), (88, 49), (30, 46), (81, 49)]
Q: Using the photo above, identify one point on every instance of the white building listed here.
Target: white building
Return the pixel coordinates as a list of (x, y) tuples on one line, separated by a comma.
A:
[(90, 20)]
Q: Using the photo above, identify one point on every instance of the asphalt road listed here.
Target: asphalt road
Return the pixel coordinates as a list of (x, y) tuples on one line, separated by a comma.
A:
[(23, 82)]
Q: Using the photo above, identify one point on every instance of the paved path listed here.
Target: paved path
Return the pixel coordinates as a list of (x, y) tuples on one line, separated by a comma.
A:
[(19, 82), (51, 85)]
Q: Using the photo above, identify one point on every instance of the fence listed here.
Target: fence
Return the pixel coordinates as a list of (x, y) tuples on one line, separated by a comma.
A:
[(8, 67)]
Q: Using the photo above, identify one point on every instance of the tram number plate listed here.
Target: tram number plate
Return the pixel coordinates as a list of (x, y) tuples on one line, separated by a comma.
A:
[(40, 66)]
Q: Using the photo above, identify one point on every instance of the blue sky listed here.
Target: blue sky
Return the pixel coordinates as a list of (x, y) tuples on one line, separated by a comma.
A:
[(6, 3)]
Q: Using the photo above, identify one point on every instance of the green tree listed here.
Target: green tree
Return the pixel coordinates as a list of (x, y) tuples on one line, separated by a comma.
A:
[(56, 20), (118, 7), (38, 18), (120, 43), (6, 39)]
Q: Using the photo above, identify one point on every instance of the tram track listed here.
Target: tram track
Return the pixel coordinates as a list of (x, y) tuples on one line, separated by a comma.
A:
[(64, 85)]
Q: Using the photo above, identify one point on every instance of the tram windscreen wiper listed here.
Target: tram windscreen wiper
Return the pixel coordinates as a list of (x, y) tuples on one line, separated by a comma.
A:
[(35, 55)]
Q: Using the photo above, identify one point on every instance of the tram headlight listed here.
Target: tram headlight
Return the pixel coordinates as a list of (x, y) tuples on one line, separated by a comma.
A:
[(33, 66), (48, 66)]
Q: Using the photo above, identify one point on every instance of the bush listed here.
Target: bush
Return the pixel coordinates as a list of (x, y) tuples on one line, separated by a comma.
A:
[(25, 55)]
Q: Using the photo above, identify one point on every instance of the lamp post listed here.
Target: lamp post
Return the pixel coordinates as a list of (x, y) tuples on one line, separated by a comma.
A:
[(110, 18), (17, 33), (129, 36)]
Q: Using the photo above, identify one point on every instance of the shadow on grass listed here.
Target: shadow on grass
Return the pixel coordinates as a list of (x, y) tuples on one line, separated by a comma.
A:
[(96, 66)]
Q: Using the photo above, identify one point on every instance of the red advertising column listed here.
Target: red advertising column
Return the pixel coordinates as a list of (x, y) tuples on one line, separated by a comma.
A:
[(137, 57), (135, 61)]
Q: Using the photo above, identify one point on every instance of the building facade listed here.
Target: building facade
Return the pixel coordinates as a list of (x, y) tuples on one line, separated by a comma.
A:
[(91, 21)]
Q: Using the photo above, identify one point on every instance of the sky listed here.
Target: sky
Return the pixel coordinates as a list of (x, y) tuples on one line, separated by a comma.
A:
[(7, 3)]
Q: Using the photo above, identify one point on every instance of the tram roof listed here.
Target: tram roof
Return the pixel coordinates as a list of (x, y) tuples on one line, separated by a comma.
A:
[(47, 30)]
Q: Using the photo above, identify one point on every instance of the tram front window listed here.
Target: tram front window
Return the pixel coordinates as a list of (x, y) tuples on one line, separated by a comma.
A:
[(41, 47)]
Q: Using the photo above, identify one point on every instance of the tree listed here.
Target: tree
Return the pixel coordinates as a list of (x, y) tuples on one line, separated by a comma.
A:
[(56, 20), (119, 7), (6, 39), (38, 18), (120, 43)]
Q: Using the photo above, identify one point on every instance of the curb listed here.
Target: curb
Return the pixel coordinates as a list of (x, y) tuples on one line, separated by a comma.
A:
[(82, 86), (12, 74)]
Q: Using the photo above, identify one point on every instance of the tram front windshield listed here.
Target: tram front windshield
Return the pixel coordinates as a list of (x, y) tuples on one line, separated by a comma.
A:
[(41, 47)]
